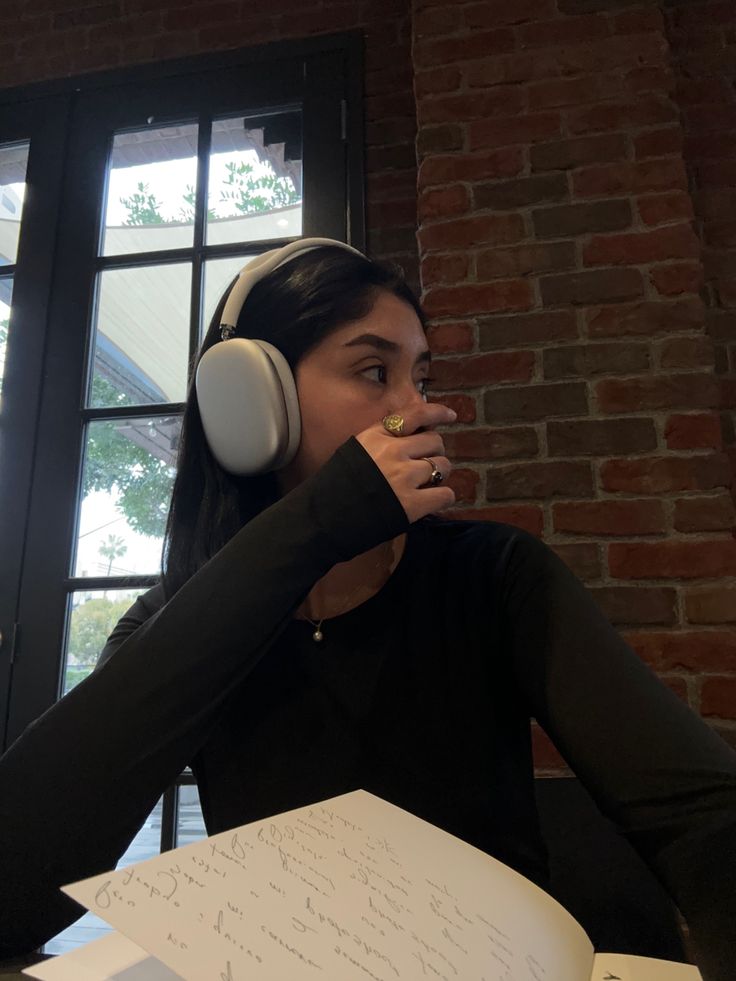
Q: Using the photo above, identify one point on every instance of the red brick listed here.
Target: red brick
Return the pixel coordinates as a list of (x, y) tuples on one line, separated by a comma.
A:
[(450, 338), (469, 232), (554, 478), (609, 517), (660, 209), (568, 220), (594, 286), (716, 513), (464, 406), (600, 437), (672, 559), (536, 402), (582, 558), (663, 174), (566, 154), (647, 318), (626, 115), (492, 13), (658, 142), (688, 650), (718, 697), (505, 131), (628, 605), (465, 484), (439, 139), (443, 202), (657, 475), (482, 369), (431, 53), (441, 169), (717, 173), (436, 80), (686, 352), (677, 277), (553, 92), (499, 101), (657, 392), (520, 192), (637, 22), (563, 30), (491, 444), (714, 604), (436, 21), (451, 267), (671, 242), (502, 295), (520, 260), (576, 360), (700, 431), (541, 327), (528, 517)]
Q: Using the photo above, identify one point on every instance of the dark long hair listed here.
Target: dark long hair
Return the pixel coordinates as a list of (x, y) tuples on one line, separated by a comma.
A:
[(293, 308)]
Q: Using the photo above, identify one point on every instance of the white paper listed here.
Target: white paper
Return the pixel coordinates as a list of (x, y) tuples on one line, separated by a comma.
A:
[(352, 889), (111, 958)]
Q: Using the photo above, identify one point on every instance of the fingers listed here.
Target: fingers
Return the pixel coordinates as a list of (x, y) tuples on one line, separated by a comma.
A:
[(404, 459), (423, 416)]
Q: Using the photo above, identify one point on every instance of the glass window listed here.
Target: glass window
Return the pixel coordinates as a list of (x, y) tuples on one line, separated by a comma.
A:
[(6, 296), (151, 185), (255, 179), (218, 274), (13, 166), (141, 335), (93, 615), (126, 485)]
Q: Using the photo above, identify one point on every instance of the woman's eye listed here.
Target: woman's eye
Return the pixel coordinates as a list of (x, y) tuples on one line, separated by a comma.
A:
[(423, 385), (376, 372)]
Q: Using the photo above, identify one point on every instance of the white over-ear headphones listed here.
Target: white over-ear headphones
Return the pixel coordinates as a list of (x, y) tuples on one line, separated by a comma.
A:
[(245, 389)]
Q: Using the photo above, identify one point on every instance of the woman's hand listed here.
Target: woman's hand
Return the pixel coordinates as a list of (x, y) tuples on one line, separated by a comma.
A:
[(400, 458)]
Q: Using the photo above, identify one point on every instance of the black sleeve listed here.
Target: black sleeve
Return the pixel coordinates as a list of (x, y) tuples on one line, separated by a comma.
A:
[(653, 766), (80, 781)]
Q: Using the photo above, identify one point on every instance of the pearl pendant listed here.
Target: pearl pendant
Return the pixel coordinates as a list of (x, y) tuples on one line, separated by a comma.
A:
[(317, 636)]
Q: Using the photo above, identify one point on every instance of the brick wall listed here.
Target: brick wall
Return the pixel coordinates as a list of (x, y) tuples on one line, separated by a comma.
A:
[(576, 223), (566, 277)]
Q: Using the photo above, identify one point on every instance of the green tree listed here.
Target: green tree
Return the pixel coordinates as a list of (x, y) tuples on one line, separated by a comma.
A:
[(112, 548), (91, 624), (143, 208), (249, 194)]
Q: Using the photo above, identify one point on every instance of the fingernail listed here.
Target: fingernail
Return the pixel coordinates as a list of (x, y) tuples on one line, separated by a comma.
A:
[(452, 414)]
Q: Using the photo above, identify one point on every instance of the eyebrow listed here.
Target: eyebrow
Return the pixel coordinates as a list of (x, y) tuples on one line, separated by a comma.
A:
[(383, 344)]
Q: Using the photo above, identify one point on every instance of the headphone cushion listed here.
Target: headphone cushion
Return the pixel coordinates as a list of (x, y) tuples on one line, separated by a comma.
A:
[(248, 405)]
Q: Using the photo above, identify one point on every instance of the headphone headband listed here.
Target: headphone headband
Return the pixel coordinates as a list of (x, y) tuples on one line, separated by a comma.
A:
[(259, 268)]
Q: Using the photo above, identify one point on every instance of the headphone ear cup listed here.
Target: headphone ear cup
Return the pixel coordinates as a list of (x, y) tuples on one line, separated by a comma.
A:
[(248, 405)]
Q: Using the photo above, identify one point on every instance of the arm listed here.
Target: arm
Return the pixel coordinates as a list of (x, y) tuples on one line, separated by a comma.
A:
[(652, 765), (77, 785)]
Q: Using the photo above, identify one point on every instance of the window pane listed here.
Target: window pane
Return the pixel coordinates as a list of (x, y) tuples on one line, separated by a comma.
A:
[(6, 294), (141, 336), (127, 477), (218, 274), (189, 821), (255, 179), (151, 181), (13, 166), (93, 615), (145, 845)]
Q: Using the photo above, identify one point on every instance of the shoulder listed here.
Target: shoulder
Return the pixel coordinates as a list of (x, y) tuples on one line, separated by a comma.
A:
[(502, 544)]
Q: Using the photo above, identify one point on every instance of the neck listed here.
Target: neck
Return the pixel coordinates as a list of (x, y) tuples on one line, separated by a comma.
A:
[(348, 584)]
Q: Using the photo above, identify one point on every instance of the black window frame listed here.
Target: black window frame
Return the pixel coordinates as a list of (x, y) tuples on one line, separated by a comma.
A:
[(44, 388)]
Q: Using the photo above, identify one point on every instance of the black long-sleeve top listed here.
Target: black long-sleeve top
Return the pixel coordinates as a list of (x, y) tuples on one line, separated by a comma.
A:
[(421, 695)]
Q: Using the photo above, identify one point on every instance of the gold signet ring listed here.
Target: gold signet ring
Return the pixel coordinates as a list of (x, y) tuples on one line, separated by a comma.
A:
[(436, 475), (394, 424)]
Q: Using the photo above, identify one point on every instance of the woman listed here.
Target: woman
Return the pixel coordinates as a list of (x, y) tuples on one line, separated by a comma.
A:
[(319, 629)]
